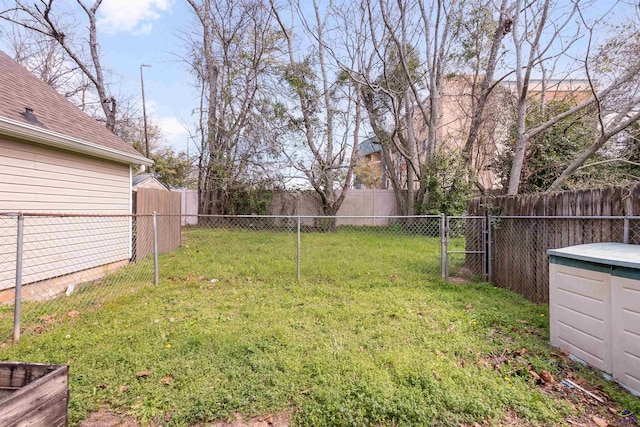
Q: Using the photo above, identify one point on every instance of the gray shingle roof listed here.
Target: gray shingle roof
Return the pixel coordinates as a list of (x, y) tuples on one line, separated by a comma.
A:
[(368, 146), (139, 178), (19, 89)]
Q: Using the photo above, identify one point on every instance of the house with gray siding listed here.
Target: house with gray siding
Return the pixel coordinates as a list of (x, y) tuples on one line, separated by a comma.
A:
[(56, 159)]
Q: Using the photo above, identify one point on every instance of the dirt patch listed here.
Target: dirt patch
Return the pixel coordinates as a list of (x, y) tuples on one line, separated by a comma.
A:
[(104, 418), (458, 280), (281, 419)]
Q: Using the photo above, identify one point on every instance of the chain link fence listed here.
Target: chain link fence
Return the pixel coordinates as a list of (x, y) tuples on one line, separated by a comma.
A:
[(519, 259), (466, 247), (315, 246), (54, 268)]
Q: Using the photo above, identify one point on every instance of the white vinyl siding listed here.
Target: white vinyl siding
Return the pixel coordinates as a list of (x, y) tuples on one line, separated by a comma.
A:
[(37, 179), (40, 179)]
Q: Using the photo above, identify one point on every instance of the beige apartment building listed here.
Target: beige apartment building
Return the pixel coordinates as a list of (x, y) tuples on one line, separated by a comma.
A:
[(456, 104)]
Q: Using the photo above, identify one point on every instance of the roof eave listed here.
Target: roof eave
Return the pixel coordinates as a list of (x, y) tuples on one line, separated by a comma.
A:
[(15, 129), (152, 179)]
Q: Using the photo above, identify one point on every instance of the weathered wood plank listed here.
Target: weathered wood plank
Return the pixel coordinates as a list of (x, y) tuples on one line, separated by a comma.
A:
[(525, 242), (167, 205), (17, 375), (43, 401)]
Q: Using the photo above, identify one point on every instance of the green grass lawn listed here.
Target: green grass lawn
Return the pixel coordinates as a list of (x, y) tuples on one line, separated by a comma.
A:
[(369, 336)]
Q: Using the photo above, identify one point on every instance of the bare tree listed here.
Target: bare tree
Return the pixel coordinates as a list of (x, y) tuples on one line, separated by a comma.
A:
[(542, 32), (232, 58), (46, 59), (42, 18), (484, 76), (618, 104), (402, 71), (324, 109)]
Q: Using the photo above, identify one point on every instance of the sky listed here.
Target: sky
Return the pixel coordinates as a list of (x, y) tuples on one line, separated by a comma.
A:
[(134, 32)]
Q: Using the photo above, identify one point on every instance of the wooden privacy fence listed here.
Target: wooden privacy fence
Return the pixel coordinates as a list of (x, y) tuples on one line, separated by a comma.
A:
[(525, 226), (167, 206)]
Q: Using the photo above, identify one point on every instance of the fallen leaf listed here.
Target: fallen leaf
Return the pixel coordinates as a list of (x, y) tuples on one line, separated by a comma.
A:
[(614, 411), (124, 388), (306, 391), (523, 351), (469, 307), (104, 386), (248, 279), (535, 375), (524, 322), (73, 313), (202, 278), (451, 327), (435, 374), (599, 421), (167, 380), (143, 374), (394, 277), (484, 362), (547, 377), (48, 319)]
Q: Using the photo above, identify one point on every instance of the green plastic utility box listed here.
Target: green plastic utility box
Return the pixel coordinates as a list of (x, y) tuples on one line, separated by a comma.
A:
[(594, 304)]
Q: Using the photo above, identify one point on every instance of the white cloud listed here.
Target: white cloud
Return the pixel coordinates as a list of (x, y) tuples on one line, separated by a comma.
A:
[(174, 133), (131, 16), (143, 29)]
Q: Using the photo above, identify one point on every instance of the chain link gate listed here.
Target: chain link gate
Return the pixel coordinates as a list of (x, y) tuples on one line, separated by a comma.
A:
[(466, 246)]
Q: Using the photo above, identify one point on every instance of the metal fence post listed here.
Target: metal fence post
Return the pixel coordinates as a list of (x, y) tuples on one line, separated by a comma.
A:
[(442, 247), (446, 247), (489, 249), (298, 271), (626, 230), (483, 243), (18, 288), (155, 248)]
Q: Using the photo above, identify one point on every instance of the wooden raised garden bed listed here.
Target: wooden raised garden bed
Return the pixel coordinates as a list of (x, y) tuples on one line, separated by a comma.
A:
[(33, 394)]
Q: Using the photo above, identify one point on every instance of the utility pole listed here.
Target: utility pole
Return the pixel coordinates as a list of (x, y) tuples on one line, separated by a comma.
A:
[(144, 110)]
